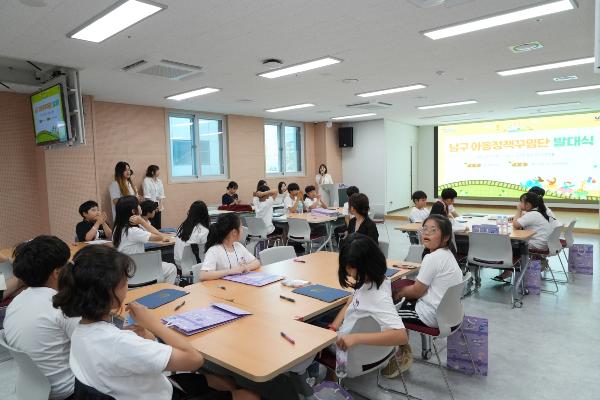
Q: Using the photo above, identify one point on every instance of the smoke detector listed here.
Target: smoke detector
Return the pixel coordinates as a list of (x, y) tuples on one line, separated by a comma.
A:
[(526, 47), (272, 63)]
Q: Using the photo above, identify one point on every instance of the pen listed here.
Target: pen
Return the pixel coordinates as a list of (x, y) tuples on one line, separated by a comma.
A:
[(179, 305), (222, 287), (300, 261), (286, 337), (287, 298)]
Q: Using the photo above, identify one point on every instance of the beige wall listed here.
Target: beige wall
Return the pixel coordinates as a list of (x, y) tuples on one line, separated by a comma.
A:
[(23, 199), (43, 189)]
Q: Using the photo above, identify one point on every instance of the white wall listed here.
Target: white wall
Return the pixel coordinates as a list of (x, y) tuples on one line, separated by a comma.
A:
[(364, 164), (400, 140), (425, 161)]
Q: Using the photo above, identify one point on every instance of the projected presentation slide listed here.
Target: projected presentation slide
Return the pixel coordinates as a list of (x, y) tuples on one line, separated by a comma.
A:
[(48, 116), (503, 159)]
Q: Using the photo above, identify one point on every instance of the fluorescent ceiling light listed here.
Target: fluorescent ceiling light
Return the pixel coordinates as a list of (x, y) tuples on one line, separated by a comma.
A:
[(458, 103), (295, 69), (354, 116), (501, 19), (544, 67), (192, 93), (114, 19), (446, 116), (393, 90), (286, 108), (528, 108), (568, 90)]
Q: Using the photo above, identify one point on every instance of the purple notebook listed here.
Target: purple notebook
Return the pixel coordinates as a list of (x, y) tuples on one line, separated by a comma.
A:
[(202, 319), (253, 278)]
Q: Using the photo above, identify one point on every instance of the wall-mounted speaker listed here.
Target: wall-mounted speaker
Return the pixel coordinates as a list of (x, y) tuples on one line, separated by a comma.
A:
[(346, 136)]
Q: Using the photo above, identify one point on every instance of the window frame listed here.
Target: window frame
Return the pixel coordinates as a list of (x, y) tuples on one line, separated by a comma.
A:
[(281, 133), (196, 146)]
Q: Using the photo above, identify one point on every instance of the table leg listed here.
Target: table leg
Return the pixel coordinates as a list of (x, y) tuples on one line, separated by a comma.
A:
[(524, 251), (328, 240)]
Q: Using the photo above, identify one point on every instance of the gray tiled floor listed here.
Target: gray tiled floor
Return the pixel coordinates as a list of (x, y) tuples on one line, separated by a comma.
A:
[(547, 350)]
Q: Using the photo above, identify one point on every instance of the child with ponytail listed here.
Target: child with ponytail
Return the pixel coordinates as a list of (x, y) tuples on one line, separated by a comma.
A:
[(225, 255), (127, 364)]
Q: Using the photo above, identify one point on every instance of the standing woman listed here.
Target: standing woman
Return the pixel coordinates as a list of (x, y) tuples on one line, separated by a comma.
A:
[(122, 185), (154, 190), (323, 178)]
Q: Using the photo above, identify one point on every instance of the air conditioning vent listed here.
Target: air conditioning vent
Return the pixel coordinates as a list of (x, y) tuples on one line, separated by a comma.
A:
[(370, 105), (169, 69)]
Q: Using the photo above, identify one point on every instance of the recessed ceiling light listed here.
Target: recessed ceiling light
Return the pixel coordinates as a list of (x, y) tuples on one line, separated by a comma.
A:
[(353, 116), (305, 66), (446, 116), (116, 18), (286, 108), (544, 67), (565, 78), (457, 103), (393, 90), (501, 19), (192, 93), (568, 90), (529, 108), (525, 47)]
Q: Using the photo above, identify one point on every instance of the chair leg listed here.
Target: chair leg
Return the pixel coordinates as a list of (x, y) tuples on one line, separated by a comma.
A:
[(462, 333), (437, 355), (391, 390), (552, 280)]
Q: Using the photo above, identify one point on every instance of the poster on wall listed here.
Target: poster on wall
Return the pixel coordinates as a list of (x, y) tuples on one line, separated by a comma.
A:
[(503, 159)]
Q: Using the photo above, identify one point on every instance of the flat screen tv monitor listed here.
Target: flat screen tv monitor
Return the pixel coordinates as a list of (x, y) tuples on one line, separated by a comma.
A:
[(500, 160), (49, 117)]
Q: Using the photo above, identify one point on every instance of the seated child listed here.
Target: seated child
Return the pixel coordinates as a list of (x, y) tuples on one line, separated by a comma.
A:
[(231, 197), (419, 212), (94, 225), (312, 200)]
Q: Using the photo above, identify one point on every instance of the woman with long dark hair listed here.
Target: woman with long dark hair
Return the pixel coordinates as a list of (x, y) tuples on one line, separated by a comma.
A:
[(122, 185), (194, 230)]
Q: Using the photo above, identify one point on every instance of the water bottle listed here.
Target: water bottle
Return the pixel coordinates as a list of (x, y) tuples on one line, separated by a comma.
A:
[(499, 223), (299, 207), (341, 363), (505, 225)]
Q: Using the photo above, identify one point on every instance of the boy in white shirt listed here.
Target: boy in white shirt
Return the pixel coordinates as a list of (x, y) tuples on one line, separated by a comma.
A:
[(294, 197), (419, 212), (32, 324), (312, 200), (264, 208)]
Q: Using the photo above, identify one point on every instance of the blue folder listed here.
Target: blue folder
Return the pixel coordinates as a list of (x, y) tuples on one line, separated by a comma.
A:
[(168, 230), (391, 272), (162, 297), (323, 293)]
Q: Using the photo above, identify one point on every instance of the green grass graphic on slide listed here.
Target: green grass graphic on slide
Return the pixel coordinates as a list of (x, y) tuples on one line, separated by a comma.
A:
[(45, 136), (496, 189)]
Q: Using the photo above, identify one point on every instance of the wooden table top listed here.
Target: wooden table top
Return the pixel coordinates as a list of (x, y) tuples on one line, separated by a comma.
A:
[(515, 234), (311, 218), (251, 346), (319, 268)]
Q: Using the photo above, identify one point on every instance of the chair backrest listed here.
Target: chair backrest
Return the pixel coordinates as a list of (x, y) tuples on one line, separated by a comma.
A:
[(554, 244), (362, 355), (6, 268), (569, 233), (384, 246), (298, 229), (378, 211), (450, 311), (85, 392), (490, 250), (188, 259), (415, 253), (148, 268), (276, 254), (196, 272), (31, 383), (256, 227)]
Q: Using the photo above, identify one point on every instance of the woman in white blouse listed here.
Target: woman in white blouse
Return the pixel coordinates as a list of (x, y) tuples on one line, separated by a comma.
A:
[(122, 185), (154, 190), (323, 178)]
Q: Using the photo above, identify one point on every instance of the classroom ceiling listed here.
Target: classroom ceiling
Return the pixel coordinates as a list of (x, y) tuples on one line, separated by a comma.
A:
[(379, 42)]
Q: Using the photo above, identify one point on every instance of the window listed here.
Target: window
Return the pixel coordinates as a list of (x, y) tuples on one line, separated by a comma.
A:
[(284, 149), (197, 147)]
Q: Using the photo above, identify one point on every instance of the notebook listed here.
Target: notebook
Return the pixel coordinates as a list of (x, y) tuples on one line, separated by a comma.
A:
[(391, 272), (323, 293), (202, 319), (162, 297), (253, 278)]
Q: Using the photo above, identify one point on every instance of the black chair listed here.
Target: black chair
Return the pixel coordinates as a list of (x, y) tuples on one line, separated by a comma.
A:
[(85, 392)]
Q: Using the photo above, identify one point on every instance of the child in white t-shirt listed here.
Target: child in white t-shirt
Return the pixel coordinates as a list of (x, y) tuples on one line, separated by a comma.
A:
[(194, 230), (126, 364), (264, 208), (419, 212), (293, 199), (132, 231), (224, 254), (312, 200)]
